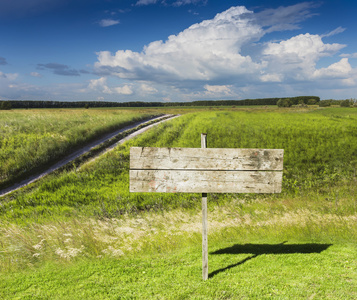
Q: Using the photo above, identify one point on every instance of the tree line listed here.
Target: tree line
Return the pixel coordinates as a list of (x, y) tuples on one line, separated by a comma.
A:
[(343, 103), (87, 104)]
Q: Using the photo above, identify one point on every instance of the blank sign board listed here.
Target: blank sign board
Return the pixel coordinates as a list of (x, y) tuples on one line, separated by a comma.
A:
[(205, 170)]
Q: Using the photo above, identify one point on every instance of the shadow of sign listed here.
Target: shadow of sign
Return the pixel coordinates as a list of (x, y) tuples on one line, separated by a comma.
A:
[(259, 249)]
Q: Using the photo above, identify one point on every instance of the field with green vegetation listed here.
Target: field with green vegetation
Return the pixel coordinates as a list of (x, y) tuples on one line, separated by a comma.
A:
[(30, 139), (82, 231)]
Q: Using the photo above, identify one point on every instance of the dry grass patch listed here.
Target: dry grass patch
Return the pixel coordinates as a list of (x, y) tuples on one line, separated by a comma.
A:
[(155, 232)]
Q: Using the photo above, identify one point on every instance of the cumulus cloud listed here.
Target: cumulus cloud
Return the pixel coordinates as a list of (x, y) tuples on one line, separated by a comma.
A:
[(148, 89), (212, 51), (108, 22), (100, 85), (272, 77), (341, 69), (123, 90), (226, 56), (204, 51), (297, 57)]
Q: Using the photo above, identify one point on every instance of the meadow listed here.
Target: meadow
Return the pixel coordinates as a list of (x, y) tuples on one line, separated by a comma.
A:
[(31, 139), (81, 229)]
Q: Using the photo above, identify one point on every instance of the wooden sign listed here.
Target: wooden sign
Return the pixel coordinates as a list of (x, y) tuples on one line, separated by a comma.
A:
[(205, 170)]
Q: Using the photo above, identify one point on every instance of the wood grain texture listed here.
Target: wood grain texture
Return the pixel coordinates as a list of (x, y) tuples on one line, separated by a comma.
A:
[(205, 159), (188, 181)]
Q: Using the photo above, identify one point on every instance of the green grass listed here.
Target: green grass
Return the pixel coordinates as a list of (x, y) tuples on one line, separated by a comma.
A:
[(250, 271), (30, 139), (320, 153), (82, 231)]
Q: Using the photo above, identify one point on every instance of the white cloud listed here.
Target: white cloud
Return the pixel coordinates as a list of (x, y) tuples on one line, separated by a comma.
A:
[(100, 85), (341, 69), (303, 46), (9, 76), (10, 89), (218, 89), (146, 2), (334, 32), (297, 57), (204, 51), (226, 57), (35, 74), (352, 55), (273, 77), (124, 90), (229, 56), (148, 89), (108, 22)]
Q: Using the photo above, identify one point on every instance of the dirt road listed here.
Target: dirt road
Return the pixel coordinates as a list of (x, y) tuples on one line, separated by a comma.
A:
[(85, 149)]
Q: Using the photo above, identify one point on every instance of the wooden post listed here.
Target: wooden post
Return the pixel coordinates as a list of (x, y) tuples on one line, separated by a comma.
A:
[(205, 170), (204, 223)]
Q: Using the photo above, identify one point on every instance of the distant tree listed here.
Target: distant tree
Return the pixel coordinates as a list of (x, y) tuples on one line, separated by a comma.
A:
[(286, 102), (5, 105), (86, 106), (311, 101), (345, 103)]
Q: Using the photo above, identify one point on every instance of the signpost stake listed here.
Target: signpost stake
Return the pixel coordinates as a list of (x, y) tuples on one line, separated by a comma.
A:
[(204, 223)]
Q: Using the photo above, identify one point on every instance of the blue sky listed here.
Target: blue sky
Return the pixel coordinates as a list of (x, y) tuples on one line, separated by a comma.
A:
[(176, 50)]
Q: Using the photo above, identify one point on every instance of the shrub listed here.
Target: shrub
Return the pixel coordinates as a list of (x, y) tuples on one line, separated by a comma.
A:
[(325, 103)]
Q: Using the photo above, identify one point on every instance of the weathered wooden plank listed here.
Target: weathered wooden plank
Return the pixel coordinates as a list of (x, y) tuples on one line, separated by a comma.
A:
[(188, 181), (205, 159)]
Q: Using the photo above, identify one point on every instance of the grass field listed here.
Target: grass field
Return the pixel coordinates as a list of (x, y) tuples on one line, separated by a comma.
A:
[(301, 244), (30, 139)]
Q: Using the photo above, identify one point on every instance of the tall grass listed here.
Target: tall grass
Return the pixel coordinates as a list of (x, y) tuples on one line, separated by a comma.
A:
[(32, 138), (319, 157), (89, 212), (245, 220)]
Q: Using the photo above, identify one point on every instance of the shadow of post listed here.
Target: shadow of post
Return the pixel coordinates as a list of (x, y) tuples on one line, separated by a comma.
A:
[(259, 249)]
